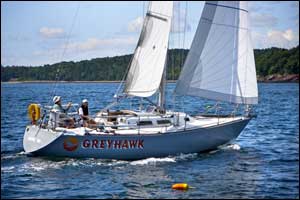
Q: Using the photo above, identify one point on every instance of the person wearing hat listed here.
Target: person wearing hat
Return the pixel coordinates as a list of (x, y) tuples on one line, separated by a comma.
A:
[(83, 112), (57, 108), (57, 105)]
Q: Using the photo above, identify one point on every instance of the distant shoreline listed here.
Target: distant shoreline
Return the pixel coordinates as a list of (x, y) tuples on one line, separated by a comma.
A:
[(169, 81), (278, 78), (273, 78), (40, 81)]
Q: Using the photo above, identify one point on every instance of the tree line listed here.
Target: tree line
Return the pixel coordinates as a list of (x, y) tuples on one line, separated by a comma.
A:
[(268, 61)]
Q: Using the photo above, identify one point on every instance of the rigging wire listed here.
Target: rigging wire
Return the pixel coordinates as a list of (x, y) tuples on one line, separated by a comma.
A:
[(143, 10), (181, 55), (179, 42), (173, 42), (123, 79), (184, 31), (67, 37), (245, 74), (171, 55)]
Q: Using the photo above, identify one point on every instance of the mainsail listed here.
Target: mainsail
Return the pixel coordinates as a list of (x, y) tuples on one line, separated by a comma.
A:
[(147, 65), (220, 64)]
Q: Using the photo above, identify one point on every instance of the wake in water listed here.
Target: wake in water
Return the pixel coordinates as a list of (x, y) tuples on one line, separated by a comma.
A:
[(171, 159), (226, 147), (5, 156), (38, 164), (151, 161), (232, 146)]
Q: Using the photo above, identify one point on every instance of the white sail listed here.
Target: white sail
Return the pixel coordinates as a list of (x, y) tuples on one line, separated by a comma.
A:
[(147, 65), (220, 64)]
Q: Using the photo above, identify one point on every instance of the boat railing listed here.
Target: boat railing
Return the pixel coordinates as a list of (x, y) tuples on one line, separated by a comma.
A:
[(132, 115), (235, 110), (64, 105), (141, 118), (106, 127), (174, 119), (102, 115), (54, 122), (49, 108), (127, 126), (112, 128), (218, 114)]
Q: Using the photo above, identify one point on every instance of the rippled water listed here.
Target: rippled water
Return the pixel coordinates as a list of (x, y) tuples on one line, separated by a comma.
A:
[(262, 163)]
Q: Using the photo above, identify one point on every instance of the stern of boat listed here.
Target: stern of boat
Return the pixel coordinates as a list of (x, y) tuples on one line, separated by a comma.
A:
[(35, 138)]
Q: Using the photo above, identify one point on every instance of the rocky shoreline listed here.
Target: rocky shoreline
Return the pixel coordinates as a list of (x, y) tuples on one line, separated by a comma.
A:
[(274, 78), (278, 78)]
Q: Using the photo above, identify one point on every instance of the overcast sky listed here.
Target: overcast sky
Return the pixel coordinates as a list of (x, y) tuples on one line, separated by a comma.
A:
[(38, 33)]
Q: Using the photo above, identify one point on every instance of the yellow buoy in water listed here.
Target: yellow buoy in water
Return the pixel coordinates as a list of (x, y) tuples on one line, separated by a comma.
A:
[(180, 186)]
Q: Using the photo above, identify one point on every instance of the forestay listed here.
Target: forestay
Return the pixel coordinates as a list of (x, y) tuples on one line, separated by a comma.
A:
[(147, 65), (220, 64)]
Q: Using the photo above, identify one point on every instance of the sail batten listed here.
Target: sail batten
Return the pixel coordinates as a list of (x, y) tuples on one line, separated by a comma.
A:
[(225, 6), (148, 62), (220, 64)]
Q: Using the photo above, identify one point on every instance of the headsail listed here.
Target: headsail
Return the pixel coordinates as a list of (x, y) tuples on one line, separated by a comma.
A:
[(220, 64), (147, 65)]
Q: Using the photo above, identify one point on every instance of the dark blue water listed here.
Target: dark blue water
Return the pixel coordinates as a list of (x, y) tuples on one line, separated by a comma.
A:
[(262, 163)]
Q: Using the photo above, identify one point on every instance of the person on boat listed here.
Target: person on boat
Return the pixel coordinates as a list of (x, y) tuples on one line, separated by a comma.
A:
[(83, 112), (57, 105), (63, 117)]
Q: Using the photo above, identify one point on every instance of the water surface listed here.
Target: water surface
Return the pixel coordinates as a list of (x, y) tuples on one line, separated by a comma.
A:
[(263, 162)]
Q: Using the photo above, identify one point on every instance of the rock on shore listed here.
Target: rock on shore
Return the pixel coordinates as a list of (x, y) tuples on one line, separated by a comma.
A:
[(293, 78)]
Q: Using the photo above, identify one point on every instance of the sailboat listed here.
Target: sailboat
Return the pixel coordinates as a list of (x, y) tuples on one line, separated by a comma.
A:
[(219, 66)]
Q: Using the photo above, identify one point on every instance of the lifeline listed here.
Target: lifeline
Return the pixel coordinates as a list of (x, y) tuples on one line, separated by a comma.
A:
[(113, 144)]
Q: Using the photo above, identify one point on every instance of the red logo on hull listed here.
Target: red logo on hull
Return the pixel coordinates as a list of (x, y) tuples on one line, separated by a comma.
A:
[(71, 144)]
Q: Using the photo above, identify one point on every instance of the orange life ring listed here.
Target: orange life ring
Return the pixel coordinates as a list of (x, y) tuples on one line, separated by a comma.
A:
[(34, 112)]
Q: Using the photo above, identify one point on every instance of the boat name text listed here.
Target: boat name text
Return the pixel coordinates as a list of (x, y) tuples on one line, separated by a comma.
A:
[(113, 144)]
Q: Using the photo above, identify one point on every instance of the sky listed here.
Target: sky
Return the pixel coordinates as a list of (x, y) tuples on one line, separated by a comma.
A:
[(38, 33)]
